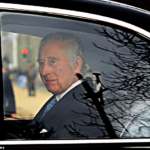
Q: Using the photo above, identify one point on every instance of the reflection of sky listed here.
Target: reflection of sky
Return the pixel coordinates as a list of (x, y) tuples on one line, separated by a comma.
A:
[(96, 57)]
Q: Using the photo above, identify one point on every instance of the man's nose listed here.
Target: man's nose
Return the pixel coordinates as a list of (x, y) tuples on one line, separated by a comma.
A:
[(47, 69)]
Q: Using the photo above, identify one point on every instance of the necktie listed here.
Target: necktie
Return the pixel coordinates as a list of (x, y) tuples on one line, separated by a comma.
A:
[(50, 105)]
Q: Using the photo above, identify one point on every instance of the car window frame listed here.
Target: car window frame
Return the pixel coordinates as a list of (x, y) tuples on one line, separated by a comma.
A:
[(78, 15)]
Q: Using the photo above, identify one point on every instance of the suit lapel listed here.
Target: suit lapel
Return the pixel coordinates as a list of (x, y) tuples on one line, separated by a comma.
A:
[(62, 103), (40, 113), (59, 106)]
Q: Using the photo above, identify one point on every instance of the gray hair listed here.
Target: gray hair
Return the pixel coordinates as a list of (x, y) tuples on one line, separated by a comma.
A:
[(73, 46)]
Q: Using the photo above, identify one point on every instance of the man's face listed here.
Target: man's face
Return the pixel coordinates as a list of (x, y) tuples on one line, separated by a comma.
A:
[(54, 68)]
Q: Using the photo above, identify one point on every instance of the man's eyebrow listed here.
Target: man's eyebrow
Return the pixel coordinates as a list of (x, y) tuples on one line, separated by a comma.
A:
[(40, 60), (52, 57)]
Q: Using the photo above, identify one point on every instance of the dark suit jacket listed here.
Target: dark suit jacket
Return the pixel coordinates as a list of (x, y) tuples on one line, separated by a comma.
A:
[(74, 116)]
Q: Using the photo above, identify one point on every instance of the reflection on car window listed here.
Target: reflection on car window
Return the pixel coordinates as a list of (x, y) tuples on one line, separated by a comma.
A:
[(75, 79)]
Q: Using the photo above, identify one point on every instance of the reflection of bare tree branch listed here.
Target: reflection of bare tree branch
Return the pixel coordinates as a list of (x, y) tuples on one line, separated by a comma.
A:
[(122, 38), (115, 118), (131, 58), (99, 106), (75, 130), (93, 117)]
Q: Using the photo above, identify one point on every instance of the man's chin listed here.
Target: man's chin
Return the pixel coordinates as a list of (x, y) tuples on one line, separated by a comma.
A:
[(52, 91)]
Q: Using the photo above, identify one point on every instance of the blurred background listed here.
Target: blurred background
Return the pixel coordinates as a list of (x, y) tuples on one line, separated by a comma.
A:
[(24, 91)]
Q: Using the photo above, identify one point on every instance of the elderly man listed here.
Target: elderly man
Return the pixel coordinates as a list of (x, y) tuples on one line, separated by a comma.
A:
[(69, 113)]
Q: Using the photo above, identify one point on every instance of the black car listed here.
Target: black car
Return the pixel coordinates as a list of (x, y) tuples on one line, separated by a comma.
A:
[(116, 41)]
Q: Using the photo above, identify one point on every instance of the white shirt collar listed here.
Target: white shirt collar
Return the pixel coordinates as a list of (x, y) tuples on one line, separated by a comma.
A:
[(58, 97)]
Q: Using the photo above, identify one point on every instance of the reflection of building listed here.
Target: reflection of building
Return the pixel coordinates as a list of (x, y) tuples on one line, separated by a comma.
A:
[(9, 48), (12, 43)]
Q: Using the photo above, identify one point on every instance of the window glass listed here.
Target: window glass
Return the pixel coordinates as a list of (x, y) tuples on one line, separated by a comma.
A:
[(110, 63)]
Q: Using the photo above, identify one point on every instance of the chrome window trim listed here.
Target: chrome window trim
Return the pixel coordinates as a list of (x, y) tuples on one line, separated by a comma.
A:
[(71, 13), (93, 141)]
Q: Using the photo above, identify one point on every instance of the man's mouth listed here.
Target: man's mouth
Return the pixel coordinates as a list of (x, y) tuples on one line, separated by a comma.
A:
[(50, 80)]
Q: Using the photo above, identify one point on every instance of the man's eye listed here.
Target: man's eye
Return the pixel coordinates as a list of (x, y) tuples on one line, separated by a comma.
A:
[(41, 63), (52, 61)]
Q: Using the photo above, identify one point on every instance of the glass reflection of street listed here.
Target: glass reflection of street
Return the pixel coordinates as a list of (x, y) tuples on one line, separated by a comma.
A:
[(27, 107)]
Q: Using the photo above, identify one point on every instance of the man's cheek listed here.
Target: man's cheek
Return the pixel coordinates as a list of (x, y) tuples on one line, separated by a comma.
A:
[(60, 71)]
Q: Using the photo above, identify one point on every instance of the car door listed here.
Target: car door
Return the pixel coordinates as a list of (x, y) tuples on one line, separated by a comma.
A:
[(116, 49)]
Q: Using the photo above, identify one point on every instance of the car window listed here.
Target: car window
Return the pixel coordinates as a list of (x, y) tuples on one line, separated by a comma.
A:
[(115, 66)]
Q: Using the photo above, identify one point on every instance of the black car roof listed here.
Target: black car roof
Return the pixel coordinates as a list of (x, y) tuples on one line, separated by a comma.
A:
[(125, 13)]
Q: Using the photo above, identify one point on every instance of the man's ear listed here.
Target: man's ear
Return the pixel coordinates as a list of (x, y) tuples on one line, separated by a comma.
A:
[(78, 65)]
